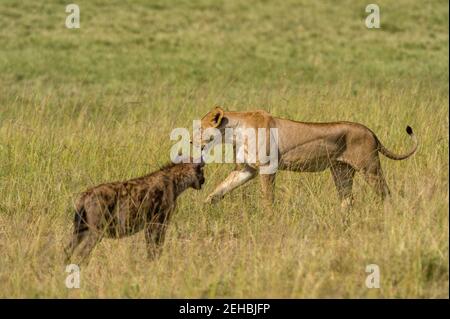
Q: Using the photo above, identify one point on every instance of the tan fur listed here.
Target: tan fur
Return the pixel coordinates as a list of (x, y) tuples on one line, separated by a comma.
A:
[(343, 147), (120, 209)]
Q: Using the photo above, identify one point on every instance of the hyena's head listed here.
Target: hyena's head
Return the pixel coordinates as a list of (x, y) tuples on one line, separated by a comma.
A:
[(194, 174)]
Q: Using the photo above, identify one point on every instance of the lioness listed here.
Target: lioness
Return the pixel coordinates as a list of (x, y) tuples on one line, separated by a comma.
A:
[(344, 147), (121, 209)]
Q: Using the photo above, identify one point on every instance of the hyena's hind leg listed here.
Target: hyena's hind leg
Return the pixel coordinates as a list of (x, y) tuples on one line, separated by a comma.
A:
[(85, 236), (92, 239), (80, 232), (343, 175), (75, 241)]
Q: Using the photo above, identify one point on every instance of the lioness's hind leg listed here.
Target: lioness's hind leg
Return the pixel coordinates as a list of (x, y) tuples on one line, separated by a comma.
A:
[(375, 178), (343, 174), (268, 188)]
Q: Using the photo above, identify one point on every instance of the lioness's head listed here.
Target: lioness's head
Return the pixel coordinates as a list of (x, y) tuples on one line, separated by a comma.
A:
[(214, 119)]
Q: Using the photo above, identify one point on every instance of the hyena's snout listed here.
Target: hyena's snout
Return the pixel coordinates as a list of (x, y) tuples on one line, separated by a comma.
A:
[(196, 172), (200, 180)]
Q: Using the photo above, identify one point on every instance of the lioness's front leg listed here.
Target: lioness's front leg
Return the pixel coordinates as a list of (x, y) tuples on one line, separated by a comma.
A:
[(234, 180)]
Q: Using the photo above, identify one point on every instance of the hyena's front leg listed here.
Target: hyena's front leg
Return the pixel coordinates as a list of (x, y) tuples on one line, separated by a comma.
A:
[(234, 180), (154, 237), (155, 232)]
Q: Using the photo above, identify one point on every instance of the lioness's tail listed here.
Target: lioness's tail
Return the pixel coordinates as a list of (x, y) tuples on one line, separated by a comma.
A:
[(383, 150)]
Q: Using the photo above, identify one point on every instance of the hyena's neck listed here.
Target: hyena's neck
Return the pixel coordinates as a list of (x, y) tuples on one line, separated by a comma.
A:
[(180, 183)]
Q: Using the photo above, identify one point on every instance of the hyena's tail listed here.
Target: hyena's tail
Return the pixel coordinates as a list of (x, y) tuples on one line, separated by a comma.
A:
[(383, 150)]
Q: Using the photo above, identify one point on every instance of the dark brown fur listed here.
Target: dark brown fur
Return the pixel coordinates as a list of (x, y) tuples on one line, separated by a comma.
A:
[(121, 209)]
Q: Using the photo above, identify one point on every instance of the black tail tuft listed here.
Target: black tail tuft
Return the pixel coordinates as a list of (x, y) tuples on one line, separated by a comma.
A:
[(409, 130)]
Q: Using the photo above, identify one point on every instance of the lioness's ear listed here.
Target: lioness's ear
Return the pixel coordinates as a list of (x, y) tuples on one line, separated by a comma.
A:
[(216, 116)]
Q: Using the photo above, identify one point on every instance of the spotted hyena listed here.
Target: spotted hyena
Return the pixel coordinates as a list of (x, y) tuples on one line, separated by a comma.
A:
[(119, 209)]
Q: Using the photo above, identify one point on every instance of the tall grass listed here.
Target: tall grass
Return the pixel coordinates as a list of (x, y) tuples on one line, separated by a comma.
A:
[(80, 107)]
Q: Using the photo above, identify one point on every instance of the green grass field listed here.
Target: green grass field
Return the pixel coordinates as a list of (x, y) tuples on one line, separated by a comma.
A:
[(83, 106)]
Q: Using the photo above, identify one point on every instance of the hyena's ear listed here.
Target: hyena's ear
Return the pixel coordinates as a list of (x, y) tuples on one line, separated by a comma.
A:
[(198, 162), (199, 165), (215, 116)]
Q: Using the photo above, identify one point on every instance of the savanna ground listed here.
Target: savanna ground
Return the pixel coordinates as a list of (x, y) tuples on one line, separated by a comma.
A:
[(82, 106)]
